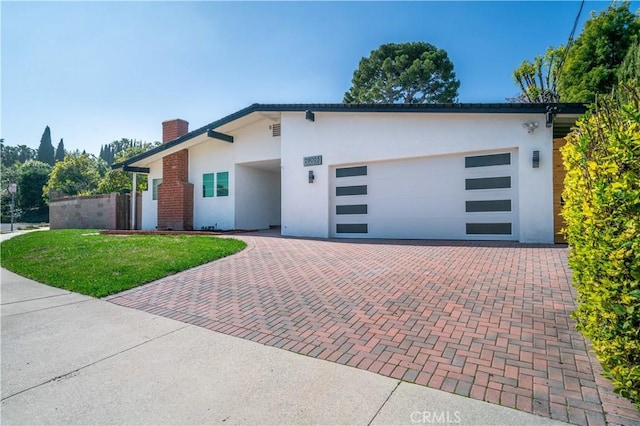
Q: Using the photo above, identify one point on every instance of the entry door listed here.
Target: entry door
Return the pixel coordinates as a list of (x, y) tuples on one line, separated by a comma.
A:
[(558, 185)]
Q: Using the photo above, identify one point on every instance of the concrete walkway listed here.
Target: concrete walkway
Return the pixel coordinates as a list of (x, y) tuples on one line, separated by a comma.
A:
[(71, 359), (6, 233), (6, 227)]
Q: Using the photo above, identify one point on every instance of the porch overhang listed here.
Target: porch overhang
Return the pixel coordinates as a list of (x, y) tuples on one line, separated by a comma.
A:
[(144, 170)]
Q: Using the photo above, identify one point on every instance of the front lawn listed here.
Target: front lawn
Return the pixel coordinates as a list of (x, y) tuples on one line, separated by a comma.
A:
[(87, 262)]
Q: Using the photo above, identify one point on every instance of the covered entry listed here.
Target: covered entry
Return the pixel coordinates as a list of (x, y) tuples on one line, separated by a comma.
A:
[(466, 197), (258, 194)]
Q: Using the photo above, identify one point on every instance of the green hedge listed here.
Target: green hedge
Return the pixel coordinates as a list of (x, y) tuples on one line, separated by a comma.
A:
[(602, 212)]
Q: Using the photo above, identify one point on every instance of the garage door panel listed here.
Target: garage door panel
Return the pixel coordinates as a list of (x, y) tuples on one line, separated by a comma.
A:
[(485, 194), (420, 206), (451, 197), (416, 187), (445, 228), (355, 180), (415, 169)]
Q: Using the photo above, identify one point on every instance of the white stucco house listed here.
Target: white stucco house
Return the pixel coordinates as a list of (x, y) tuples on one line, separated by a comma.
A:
[(443, 171)]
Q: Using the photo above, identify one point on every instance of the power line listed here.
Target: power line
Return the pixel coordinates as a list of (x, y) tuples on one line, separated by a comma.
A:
[(569, 43)]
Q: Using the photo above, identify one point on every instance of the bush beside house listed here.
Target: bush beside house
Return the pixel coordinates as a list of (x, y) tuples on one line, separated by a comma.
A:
[(602, 212)]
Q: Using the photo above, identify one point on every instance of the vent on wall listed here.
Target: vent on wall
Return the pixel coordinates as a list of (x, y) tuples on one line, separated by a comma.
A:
[(275, 129)]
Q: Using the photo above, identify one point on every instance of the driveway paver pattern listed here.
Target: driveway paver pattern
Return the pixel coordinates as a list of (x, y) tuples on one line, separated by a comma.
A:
[(487, 320)]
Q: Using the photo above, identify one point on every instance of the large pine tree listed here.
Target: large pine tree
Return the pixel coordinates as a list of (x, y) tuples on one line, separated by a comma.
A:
[(46, 152), (409, 73), (60, 152), (106, 153)]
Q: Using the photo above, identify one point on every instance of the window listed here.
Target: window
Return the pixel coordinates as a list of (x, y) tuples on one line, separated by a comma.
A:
[(488, 228), (352, 209), (154, 188), (351, 171), (487, 160), (222, 187), (207, 185), (488, 206), (352, 228), (215, 185), (351, 190), (488, 183)]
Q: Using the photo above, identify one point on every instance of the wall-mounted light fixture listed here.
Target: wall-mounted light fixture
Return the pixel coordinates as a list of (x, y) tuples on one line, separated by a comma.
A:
[(536, 159), (311, 176), (531, 126), (309, 115)]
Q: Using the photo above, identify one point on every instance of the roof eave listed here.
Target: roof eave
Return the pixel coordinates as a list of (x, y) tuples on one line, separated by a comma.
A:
[(512, 108)]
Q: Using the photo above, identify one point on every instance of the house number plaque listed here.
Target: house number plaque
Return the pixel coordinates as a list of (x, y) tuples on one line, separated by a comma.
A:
[(314, 160)]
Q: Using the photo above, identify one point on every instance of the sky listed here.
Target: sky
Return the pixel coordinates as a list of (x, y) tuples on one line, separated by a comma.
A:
[(95, 72)]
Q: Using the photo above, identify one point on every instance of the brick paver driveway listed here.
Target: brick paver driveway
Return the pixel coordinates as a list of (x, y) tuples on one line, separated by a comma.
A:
[(485, 320)]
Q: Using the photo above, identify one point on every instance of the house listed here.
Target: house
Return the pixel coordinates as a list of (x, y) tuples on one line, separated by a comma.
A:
[(427, 171)]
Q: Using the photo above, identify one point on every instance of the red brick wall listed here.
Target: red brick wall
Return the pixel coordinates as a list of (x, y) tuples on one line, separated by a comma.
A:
[(175, 193), (173, 129)]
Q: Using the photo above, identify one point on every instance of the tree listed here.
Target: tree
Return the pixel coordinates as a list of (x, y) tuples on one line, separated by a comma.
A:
[(60, 152), (15, 154), (111, 151), (591, 64), (75, 175), (538, 80), (117, 180), (106, 153), (13, 158), (407, 73), (9, 154), (629, 70), (25, 153), (135, 148), (32, 177), (46, 152), (9, 175)]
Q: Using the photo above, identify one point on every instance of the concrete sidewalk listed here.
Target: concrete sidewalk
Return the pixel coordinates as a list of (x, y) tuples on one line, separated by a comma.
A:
[(68, 358), (6, 234)]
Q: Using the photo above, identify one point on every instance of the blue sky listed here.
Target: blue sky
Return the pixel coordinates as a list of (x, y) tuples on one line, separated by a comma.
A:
[(100, 71)]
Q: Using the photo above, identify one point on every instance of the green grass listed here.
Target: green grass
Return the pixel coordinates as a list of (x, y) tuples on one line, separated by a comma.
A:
[(86, 262)]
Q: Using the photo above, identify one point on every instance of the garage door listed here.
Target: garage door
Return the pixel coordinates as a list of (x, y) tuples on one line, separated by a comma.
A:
[(462, 197)]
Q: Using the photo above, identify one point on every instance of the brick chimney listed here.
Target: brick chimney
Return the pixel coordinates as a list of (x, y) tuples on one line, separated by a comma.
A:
[(175, 193), (173, 129)]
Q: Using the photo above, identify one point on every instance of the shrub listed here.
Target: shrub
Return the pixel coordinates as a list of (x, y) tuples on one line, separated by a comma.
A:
[(602, 212)]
